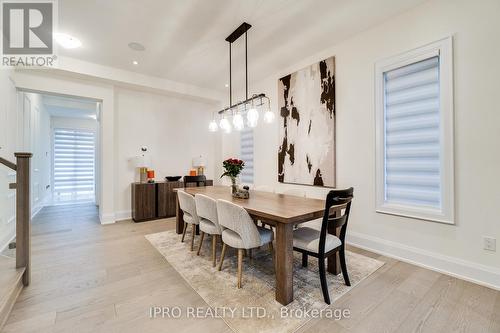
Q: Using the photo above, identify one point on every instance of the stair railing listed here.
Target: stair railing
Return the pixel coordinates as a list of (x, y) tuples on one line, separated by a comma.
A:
[(23, 211)]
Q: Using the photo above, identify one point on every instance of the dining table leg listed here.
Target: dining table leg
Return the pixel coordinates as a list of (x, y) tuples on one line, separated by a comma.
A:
[(284, 263), (179, 217)]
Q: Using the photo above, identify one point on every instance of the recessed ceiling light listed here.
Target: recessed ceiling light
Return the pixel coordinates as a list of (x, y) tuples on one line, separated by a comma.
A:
[(136, 46), (226, 85), (67, 41), (135, 62)]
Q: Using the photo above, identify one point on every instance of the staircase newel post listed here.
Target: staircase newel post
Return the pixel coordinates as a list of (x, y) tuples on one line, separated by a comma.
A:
[(23, 215)]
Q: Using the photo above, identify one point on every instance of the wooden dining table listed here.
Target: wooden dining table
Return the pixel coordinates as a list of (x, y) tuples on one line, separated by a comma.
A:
[(281, 211)]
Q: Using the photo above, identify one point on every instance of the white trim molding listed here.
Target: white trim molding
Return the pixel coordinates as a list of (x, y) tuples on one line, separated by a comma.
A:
[(107, 218), (123, 215), (444, 212), (466, 270)]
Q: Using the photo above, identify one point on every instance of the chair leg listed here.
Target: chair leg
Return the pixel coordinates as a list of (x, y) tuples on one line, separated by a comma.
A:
[(240, 264), (344, 266), (214, 250), (184, 232), (223, 253), (322, 277), (304, 260), (192, 236), (201, 243)]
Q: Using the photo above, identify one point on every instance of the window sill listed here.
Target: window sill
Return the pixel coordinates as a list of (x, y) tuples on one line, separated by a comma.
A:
[(438, 218)]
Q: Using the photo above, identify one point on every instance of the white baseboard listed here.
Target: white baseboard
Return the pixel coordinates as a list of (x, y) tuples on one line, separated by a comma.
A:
[(466, 270), (44, 202), (36, 210), (107, 218), (123, 215)]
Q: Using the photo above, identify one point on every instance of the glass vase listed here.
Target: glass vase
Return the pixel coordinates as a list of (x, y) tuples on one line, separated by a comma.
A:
[(234, 185)]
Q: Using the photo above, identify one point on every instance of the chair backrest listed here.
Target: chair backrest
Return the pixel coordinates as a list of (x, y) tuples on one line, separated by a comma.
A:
[(237, 219), (264, 188), (330, 220), (296, 192), (206, 208), (187, 204)]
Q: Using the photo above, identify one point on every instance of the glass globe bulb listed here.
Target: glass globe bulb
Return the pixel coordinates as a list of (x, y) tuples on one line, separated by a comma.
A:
[(252, 117), (238, 122), (224, 124), (269, 116), (212, 127)]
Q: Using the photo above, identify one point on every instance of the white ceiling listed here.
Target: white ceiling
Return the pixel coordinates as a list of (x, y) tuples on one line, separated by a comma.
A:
[(184, 40), (71, 107)]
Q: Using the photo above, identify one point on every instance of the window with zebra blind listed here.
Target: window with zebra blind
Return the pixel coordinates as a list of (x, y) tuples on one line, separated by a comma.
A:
[(74, 161), (414, 106), (246, 154)]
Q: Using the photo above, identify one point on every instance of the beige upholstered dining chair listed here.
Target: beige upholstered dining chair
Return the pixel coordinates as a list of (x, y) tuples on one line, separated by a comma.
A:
[(188, 207), (241, 232), (206, 209)]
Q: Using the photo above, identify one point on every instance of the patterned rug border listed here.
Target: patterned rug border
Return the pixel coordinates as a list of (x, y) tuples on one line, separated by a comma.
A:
[(150, 239)]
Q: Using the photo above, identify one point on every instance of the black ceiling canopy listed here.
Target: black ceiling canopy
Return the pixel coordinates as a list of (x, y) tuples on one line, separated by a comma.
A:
[(238, 32)]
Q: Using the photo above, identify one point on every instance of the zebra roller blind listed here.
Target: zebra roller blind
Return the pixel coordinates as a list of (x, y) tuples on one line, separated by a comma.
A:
[(74, 161), (246, 154), (412, 135)]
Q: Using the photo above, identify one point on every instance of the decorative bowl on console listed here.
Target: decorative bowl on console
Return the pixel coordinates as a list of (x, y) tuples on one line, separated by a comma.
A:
[(173, 178)]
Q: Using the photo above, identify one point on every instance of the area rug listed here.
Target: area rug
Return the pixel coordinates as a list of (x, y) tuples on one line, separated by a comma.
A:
[(253, 308)]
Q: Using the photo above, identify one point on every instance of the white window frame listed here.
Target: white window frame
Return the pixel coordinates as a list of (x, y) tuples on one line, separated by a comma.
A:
[(442, 48)]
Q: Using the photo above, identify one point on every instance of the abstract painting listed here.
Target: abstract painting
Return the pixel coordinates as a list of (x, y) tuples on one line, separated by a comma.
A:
[(306, 101)]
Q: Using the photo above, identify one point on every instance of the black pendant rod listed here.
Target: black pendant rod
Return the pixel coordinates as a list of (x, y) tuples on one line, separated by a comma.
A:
[(246, 67), (230, 78), (242, 29)]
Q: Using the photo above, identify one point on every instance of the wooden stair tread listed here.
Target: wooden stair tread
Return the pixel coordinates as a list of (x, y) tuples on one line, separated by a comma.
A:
[(10, 285)]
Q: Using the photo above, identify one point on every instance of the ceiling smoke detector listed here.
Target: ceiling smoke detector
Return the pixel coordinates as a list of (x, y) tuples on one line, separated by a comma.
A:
[(136, 46)]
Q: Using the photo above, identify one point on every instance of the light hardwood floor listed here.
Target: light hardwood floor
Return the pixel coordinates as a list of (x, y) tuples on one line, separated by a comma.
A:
[(93, 278)]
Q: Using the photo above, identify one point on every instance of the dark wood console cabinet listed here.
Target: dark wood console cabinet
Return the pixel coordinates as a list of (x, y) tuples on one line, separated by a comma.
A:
[(166, 198), (152, 201), (143, 201)]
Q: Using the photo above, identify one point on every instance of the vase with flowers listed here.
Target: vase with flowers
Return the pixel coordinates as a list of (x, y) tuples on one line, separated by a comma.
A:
[(232, 167)]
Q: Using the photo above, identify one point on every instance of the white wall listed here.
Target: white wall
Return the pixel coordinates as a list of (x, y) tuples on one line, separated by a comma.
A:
[(454, 249), (37, 132), (8, 145), (174, 130)]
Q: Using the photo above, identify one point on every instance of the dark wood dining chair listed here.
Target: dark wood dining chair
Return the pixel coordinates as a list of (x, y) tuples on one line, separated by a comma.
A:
[(320, 243)]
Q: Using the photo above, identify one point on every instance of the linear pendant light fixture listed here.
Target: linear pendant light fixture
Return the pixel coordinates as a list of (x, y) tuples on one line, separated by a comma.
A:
[(249, 107)]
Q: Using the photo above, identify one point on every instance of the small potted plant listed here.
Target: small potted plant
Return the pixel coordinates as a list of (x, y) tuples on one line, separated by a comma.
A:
[(232, 167)]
